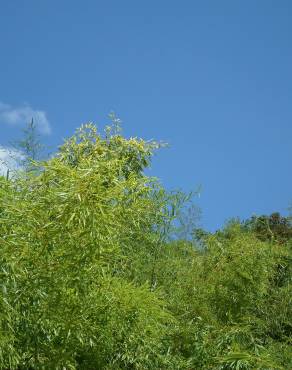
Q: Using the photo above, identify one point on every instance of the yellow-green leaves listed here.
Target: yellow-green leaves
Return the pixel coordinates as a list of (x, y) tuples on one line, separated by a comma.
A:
[(67, 235)]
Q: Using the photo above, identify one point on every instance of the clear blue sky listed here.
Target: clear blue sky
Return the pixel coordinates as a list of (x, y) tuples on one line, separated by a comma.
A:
[(212, 78)]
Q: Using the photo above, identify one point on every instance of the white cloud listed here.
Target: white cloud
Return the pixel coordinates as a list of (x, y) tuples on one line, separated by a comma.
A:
[(9, 158), (23, 114)]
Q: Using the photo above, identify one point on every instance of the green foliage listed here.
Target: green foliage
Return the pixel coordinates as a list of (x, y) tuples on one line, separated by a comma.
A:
[(65, 235), (272, 228), (231, 302), (92, 279)]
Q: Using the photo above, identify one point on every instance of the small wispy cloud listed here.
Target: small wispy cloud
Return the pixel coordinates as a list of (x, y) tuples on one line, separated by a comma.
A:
[(17, 116), (9, 159)]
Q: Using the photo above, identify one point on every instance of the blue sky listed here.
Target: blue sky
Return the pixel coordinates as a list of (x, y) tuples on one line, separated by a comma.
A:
[(212, 78)]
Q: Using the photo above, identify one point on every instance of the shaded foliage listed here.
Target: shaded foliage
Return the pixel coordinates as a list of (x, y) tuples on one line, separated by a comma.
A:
[(270, 228)]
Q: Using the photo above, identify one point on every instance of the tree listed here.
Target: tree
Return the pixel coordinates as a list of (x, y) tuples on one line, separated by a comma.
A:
[(29, 146), (67, 296), (272, 228)]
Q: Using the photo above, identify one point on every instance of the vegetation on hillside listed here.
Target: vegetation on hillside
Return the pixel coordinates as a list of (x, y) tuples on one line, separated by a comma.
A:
[(91, 277)]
